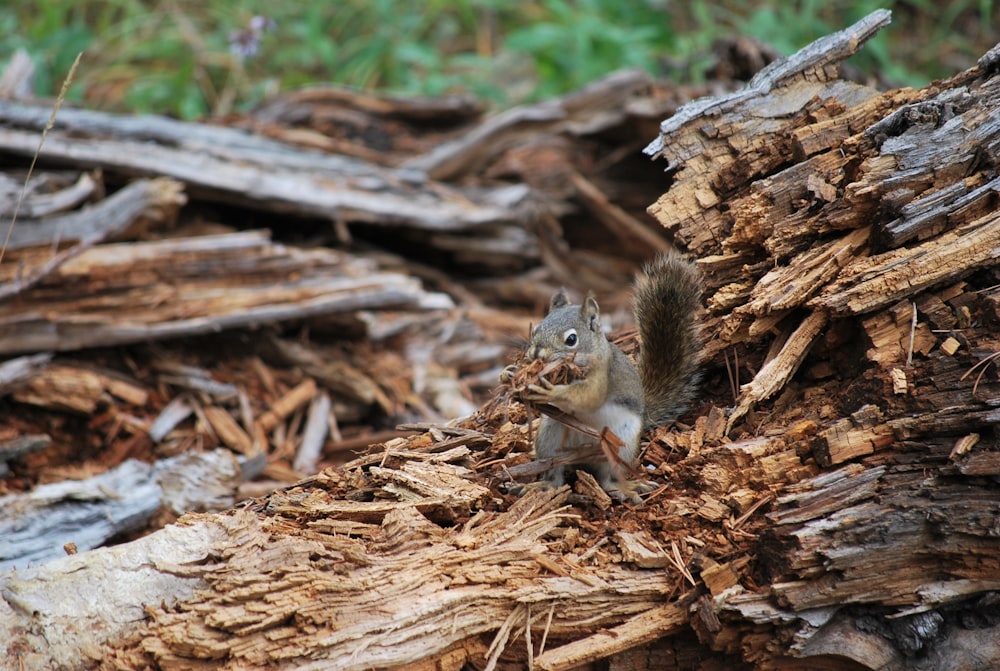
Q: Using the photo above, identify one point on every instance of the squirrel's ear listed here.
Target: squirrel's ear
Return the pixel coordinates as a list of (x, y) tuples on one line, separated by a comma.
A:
[(558, 300), (591, 313)]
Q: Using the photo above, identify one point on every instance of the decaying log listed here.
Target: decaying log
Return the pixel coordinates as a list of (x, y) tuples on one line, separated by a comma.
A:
[(427, 579), (445, 179), (131, 292), (333, 119), (590, 110), (824, 209), (748, 134), (779, 245), (235, 166), (77, 389), (86, 513)]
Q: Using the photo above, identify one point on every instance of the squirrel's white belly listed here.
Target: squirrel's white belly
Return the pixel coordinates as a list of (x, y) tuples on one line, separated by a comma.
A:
[(623, 421)]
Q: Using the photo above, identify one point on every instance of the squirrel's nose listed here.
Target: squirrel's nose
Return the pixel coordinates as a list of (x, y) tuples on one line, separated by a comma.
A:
[(535, 352)]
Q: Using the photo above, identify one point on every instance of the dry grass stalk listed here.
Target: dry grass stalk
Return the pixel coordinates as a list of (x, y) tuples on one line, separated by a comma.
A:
[(41, 141)]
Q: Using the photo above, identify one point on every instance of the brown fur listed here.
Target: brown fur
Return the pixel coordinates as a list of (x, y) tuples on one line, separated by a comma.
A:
[(667, 297)]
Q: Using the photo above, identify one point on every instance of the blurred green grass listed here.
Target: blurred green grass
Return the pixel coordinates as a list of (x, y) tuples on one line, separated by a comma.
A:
[(194, 59)]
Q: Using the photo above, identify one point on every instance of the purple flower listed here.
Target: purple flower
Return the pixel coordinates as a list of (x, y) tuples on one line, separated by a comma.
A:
[(246, 42)]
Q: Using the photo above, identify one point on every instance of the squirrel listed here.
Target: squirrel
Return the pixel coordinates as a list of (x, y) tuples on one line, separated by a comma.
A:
[(613, 392)]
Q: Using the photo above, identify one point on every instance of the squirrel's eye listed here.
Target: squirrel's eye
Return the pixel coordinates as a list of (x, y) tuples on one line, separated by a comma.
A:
[(570, 338)]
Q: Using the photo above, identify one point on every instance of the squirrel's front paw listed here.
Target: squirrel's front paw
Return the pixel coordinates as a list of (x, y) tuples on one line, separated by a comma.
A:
[(543, 392), (508, 373)]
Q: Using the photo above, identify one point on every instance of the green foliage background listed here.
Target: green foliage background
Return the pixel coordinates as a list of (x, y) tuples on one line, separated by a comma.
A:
[(175, 56)]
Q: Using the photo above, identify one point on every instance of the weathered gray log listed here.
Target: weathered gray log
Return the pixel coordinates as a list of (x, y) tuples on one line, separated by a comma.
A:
[(233, 166), (109, 217), (35, 527), (589, 110)]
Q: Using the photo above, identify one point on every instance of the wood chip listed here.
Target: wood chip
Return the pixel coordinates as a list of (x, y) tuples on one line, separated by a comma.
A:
[(963, 445), (526, 372), (287, 404), (900, 385), (842, 442), (229, 432), (718, 577), (950, 346), (588, 486), (642, 550)]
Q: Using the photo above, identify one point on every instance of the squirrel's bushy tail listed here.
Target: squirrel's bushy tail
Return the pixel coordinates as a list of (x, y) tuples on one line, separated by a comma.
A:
[(667, 297)]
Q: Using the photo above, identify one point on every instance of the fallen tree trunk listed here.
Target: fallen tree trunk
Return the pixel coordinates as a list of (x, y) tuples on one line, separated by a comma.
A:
[(841, 515), (235, 166)]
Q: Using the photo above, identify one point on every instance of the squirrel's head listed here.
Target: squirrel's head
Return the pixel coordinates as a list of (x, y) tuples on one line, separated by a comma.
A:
[(568, 329)]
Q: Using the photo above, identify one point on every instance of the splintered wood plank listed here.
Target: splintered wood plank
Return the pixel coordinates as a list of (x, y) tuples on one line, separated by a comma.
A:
[(653, 624), (881, 280), (585, 111), (130, 292), (642, 550), (417, 481), (313, 435), (131, 208), (385, 127), (789, 286), (895, 336), (229, 432), (297, 397), (718, 577), (938, 210), (47, 193), (893, 566), (76, 389), (843, 441), (776, 372)]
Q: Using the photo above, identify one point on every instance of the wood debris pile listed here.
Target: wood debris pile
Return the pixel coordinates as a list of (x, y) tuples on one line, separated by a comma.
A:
[(302, 303), (830, 497), (286, 295)]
